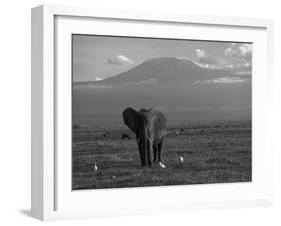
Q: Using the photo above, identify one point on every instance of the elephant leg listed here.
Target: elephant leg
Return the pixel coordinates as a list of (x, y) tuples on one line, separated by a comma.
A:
[(154, 153), (148, 153), (141, 153), (160, 151), (144, 145)]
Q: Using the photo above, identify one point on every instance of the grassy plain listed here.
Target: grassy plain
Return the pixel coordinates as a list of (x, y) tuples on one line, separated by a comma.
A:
[(213, 152)]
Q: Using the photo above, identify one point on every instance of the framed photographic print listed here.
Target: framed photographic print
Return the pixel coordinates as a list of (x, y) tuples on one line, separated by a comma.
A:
[(137, 112)]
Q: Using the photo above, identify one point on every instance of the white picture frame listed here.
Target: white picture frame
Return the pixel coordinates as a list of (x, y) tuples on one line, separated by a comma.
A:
[(52, 197)]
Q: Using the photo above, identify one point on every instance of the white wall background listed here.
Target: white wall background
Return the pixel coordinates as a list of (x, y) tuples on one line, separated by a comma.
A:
[(15, 112)]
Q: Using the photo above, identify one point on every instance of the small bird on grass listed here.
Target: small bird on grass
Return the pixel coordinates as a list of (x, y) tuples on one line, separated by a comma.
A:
[(162, 165), (95, 167), (181, 158)]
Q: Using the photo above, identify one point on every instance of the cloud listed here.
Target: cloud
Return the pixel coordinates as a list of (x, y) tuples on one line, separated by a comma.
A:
[(245, 73), (229, 80), (200, 64), (100, 86), (218, 63), (230, 67), (203, 58), (236, 58), (223, 80), (244, 67), (200, 53), (120, 60), (147, 81), (239, 51), (184, 59), (98, 78)]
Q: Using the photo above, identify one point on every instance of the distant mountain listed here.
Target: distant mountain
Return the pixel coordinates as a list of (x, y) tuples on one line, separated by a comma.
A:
[(164, 69), (179, 87)]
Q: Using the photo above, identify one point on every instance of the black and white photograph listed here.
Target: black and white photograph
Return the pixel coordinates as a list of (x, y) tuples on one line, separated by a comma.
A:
[(160, 112)]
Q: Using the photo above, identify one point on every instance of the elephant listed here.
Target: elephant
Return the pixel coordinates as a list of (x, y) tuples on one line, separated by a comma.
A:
[(149, 126)]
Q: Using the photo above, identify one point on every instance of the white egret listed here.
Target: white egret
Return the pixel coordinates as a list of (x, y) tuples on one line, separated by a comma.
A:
[(162, 165), (181, 158), (95, 167)]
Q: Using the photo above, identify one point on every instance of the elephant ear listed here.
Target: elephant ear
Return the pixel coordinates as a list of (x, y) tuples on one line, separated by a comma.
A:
[(130, 116)]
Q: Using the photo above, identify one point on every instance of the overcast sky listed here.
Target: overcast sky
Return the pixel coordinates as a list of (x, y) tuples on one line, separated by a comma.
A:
[(98, 57)]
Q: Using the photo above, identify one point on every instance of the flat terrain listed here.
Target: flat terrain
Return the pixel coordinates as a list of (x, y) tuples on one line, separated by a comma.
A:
[(213, 152)]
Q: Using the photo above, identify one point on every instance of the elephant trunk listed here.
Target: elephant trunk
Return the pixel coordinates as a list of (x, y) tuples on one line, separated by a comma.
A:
[(144, 149)]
